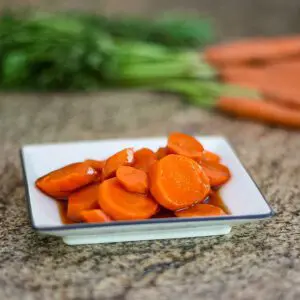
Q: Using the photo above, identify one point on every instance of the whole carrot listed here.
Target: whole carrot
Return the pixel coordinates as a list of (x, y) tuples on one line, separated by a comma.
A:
[(253, 50), (260, 110)]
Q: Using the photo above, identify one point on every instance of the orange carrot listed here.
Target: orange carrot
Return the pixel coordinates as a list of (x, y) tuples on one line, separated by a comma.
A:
[(217, 173), (61, 183), (210, 156), (177, 182), (132, 179), (144, 159), (124, 157), (281, 83), (84, 199), (95, 164), (183, 144), (95, 216), (259, 110), (162, 152), (253, 50), (200, 210), (243, 75), (123, 205)]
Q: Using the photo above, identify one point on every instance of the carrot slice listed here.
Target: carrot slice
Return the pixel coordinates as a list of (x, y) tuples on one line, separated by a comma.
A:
[(84, 199), (200, 210), (123, 205), (144, 159), (210, 156), (162, 152), (96, 164), (183, 144), (61, 183), (95, 216), (132, 179), (124, 157), (217, 173), (177, 182)]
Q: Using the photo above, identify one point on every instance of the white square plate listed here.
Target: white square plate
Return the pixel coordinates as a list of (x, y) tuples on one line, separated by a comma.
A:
[(240, 195)]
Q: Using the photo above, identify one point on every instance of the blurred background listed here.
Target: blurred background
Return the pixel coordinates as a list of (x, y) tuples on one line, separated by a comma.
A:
[(233, 18)]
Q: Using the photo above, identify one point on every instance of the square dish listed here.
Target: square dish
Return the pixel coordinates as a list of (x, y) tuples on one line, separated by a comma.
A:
[(240, 195)]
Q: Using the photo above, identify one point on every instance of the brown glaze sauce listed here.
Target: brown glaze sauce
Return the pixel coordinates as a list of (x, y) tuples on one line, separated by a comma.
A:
[(213, 199)]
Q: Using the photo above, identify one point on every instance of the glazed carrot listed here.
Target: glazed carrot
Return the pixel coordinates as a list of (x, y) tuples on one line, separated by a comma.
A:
[(200, 210), (162, 152), (177, 181), (217, 173), (132, 179), (95, 216), (144, 159), (124, 157), (84, 199), (253, 50), (95, 164), (210, 156), (62, 182), (183, 144), (259, 110), (243, 75), (123, 205)]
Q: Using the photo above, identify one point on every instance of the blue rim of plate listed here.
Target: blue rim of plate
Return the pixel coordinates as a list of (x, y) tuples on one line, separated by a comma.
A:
[(143, 222)]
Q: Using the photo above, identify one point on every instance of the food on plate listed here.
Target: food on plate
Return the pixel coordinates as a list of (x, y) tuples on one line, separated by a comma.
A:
[(122, 158), (132, 179), (60, 183), (144, 159), (178, 180)]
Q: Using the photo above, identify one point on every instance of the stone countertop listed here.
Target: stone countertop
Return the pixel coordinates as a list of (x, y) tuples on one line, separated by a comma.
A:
[(255, 261)]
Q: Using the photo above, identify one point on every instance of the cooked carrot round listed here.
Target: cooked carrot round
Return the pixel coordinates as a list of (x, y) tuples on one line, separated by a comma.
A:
[(162, 152), (217, 173), (132, 179), (94, 216), (61, 183), (84, 199), (123, 205), (144, 159), (210, 156), (96, 164), (183, 144), (200, 210), (177, 182), (124, 157)]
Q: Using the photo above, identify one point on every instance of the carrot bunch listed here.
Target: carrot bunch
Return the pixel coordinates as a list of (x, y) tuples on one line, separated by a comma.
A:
[(269, 65), (177, 180)]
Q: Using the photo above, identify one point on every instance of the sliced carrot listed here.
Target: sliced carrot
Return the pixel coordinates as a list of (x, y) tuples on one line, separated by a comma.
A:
[(124, 157), (162, 152), (183, 144), (95, 216), (217, 173), (96, 164), (144, 159), (123, 205), (177, 182), (210, 156), (253, 50), (132, 179), (84, 199), (200, 210), (62, 182)]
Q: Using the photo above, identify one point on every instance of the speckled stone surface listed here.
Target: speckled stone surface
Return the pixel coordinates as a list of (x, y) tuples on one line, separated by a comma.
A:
[(256, 261)]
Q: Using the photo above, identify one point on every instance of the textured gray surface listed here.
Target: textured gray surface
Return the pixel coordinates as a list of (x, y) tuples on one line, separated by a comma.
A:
[(256, 261)]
